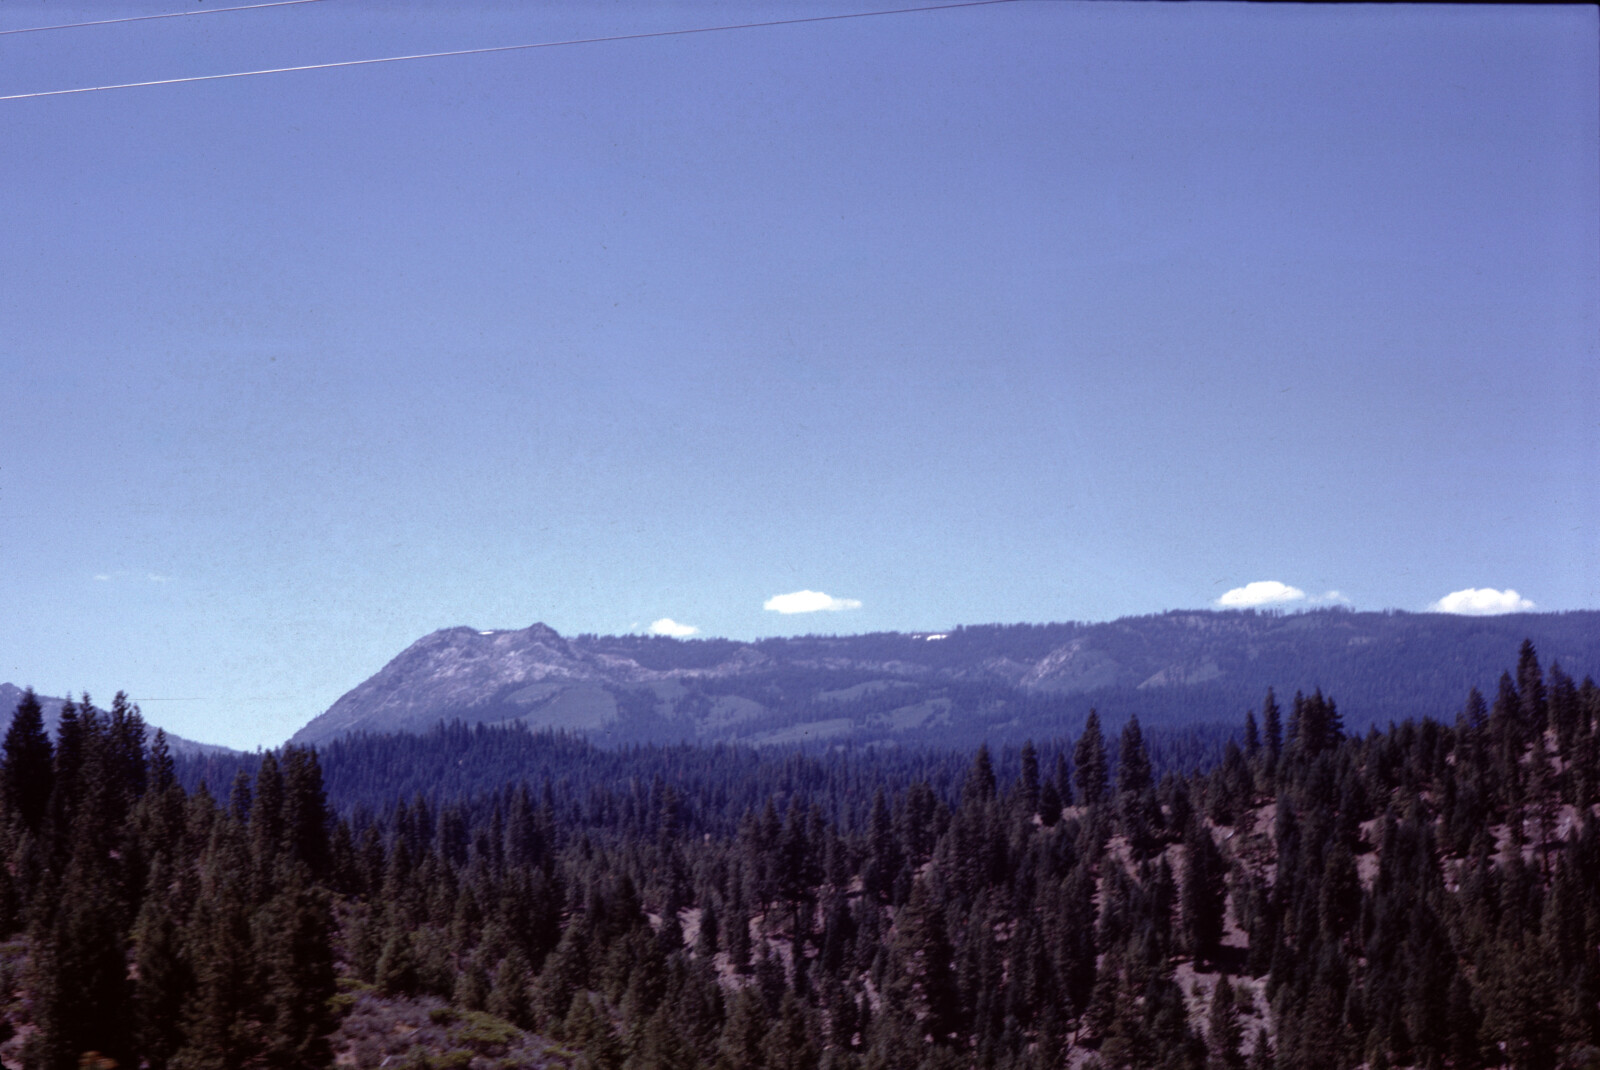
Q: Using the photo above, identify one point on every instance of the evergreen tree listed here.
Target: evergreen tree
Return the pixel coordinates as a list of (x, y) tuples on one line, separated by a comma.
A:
[(1204, 892), (925, 983), (743, 1045), (397, 966), (1272, 725), (292, 944), (266, 825), (788, 1045), (80, 977), (1028, 789), (508, 995), (1531, 694), (305, 821), (588, 1029), (1133, 760), (1224, 1030), (1061, 780), (26, 768), (1089, 761), (165, 980)]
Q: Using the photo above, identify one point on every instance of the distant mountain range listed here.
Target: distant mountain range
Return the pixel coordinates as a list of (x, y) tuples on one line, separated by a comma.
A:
[(11, 694), (995, 682)]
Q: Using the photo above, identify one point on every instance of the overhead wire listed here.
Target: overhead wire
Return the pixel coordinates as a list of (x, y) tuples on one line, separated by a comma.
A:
[(503, 48), (162, 15)]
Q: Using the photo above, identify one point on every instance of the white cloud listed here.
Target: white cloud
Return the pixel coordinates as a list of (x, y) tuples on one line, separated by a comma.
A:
[(808, 602), (668, 626), (1481, 602), (1261, 593), (1334, 598)]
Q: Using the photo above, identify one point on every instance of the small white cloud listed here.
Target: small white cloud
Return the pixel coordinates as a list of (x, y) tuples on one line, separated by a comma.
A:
[(1261, 593), (808, 602), (1333, 598), (668, 626), (103, 577), (1481, 602)]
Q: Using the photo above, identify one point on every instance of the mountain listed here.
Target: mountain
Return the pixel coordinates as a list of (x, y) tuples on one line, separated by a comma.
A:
[(995, 682), (11, 694)]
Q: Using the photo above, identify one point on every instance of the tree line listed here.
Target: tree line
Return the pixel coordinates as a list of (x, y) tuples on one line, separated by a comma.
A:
[(1428, 895)]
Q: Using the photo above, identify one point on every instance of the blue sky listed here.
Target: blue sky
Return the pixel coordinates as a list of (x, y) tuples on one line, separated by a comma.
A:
[(1033, 311)]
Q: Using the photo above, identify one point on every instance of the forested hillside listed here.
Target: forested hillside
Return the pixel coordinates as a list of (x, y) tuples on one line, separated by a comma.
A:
[(1428, 895), (457, 763), (995, 683)]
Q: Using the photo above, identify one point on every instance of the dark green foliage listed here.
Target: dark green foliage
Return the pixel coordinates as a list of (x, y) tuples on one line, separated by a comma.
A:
[(1204, 892), (1089, 761), (165, 976), (158, 928), (396, 973), (1224, 1033), (293, 945), (26, 768), (508, 993), (855, 909)]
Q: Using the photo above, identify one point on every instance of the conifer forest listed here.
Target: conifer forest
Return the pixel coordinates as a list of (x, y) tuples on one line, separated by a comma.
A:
[(1286, 895)]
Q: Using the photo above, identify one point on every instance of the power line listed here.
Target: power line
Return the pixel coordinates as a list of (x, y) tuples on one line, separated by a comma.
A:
[(165, 15), (502, 48)]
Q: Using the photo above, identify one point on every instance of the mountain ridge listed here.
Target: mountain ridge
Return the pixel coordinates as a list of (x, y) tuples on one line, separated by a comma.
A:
[(973, 682), (11, 694)]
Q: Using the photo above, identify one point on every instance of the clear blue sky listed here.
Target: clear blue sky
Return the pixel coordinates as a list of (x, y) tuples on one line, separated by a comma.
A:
[(1037, 311)]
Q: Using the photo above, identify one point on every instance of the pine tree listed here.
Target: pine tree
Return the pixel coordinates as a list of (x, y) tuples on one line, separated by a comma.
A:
[(165, 980), (397, 965), (1089, 760), (508, 993), (588, 1029), (1028, 791), (222, 1028), (980, 785), (266, 825), (66, 787), (1531, 694), (1272, 725), (306, 821), (1061, 779), (1133, 760), (743, 1045), (706, 942), (883, 849), (81, 992), (1138, 812), (26, 769), (293, 945), (1204, 892), (925, 983), (1224, 1030), (788, 1045), (124, 760)]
